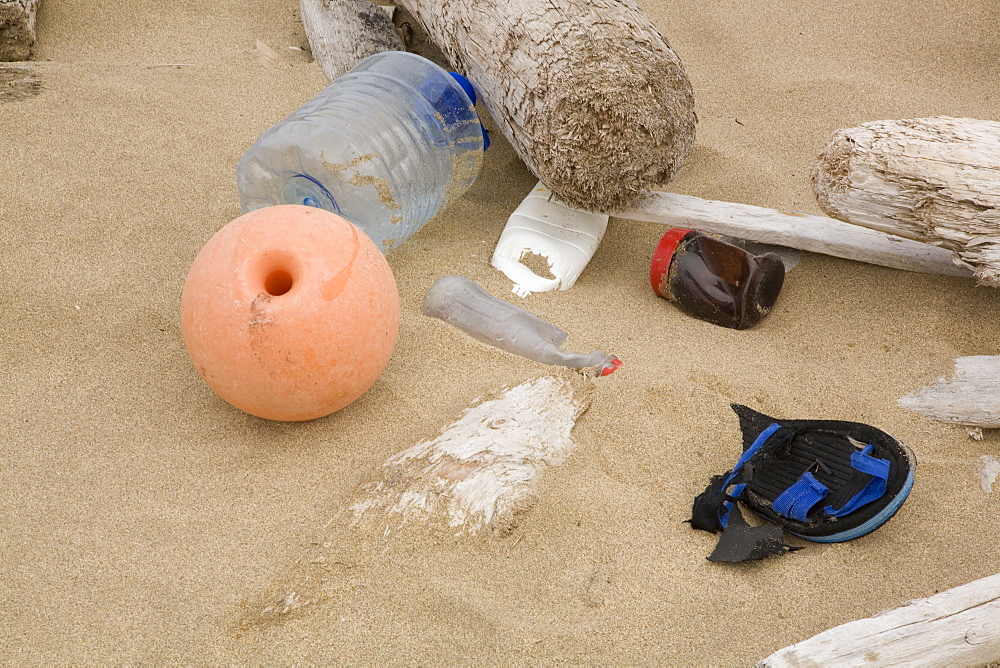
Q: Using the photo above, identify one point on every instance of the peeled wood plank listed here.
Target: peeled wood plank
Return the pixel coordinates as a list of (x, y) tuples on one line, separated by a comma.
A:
[(958, 627), (17, 28), (970, 398), (932, 179), (341, 33), (588, 92), (796, 230)]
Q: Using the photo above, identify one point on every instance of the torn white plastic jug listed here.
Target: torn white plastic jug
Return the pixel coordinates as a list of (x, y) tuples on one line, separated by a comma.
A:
[(564, 236)]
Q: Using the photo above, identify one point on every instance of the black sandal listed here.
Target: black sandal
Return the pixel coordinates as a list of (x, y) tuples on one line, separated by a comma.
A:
[(826, 481)]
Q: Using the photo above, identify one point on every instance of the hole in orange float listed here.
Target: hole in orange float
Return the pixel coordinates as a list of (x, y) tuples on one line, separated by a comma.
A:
[(278, 282)]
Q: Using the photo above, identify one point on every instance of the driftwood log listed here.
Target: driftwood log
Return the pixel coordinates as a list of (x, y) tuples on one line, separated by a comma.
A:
[(17, 28), (989, 469), (934, 179), (342, 33), (817, 234), (588, 92), (475, 479), (971, 398), (483, 470), (958, 627)]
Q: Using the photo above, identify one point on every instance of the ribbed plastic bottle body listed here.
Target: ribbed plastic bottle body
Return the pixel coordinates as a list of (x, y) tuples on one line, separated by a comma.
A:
[(386, 146)]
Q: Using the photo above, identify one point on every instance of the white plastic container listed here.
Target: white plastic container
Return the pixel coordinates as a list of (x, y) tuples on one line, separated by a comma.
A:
[(564, 236), (386, 146)]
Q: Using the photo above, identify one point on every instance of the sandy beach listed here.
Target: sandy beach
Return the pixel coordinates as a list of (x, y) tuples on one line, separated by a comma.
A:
[(144, 520)]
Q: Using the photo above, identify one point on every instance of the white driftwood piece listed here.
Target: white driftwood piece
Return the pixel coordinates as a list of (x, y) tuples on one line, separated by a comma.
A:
[(958, 627), (989, 469), (932, 179), (588, 92), (17, 28), (342, 33), (970, 398), (483, 469), (796, 230)]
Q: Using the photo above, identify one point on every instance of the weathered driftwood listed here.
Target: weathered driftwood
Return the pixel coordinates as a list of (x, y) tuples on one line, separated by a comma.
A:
[(932, 179), (796, 230), (958, 627), (17, 82), (415, 38), (587, 91), (474, 480), (341, 33), (17, 28), (989, 469), (970, 398), (483, 470)]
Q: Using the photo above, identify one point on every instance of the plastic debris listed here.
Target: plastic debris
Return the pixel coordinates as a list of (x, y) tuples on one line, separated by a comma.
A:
[(387, 146), (542, 225), (463, 303), (826, 481)]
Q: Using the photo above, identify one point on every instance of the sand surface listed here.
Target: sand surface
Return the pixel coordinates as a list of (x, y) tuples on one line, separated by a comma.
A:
[(142, 519)]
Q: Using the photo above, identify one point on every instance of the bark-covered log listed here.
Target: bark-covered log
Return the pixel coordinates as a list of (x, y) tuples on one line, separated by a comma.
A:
[(970, 398), (958, 627), (17, 28), (587, 91), (931, 179), (341, 33)]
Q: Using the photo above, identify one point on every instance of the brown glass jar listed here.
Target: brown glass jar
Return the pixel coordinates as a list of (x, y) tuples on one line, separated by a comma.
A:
[(715, 281)]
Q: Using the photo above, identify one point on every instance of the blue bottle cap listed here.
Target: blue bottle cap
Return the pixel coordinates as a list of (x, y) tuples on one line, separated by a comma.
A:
[(470, 90), (466, 85)]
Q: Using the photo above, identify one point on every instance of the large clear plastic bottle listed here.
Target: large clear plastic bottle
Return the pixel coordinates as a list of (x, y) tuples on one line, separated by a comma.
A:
[(387, 146)]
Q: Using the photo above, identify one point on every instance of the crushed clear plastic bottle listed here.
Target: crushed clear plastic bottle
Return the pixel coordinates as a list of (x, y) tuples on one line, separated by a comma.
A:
[(387, 146), (462, 302)]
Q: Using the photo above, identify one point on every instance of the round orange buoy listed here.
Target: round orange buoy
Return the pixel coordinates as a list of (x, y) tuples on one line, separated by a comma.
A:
[(290, 313)]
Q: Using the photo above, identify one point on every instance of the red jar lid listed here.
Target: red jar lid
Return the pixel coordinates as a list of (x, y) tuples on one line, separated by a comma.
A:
[(663, 256)]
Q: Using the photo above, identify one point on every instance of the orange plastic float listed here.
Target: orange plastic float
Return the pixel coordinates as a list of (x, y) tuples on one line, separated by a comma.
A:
[(290, 313)]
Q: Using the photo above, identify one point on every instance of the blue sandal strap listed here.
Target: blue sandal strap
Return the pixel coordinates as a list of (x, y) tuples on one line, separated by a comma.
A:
[(737, 490), (727, 506), (878, 469), (796, 501)]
